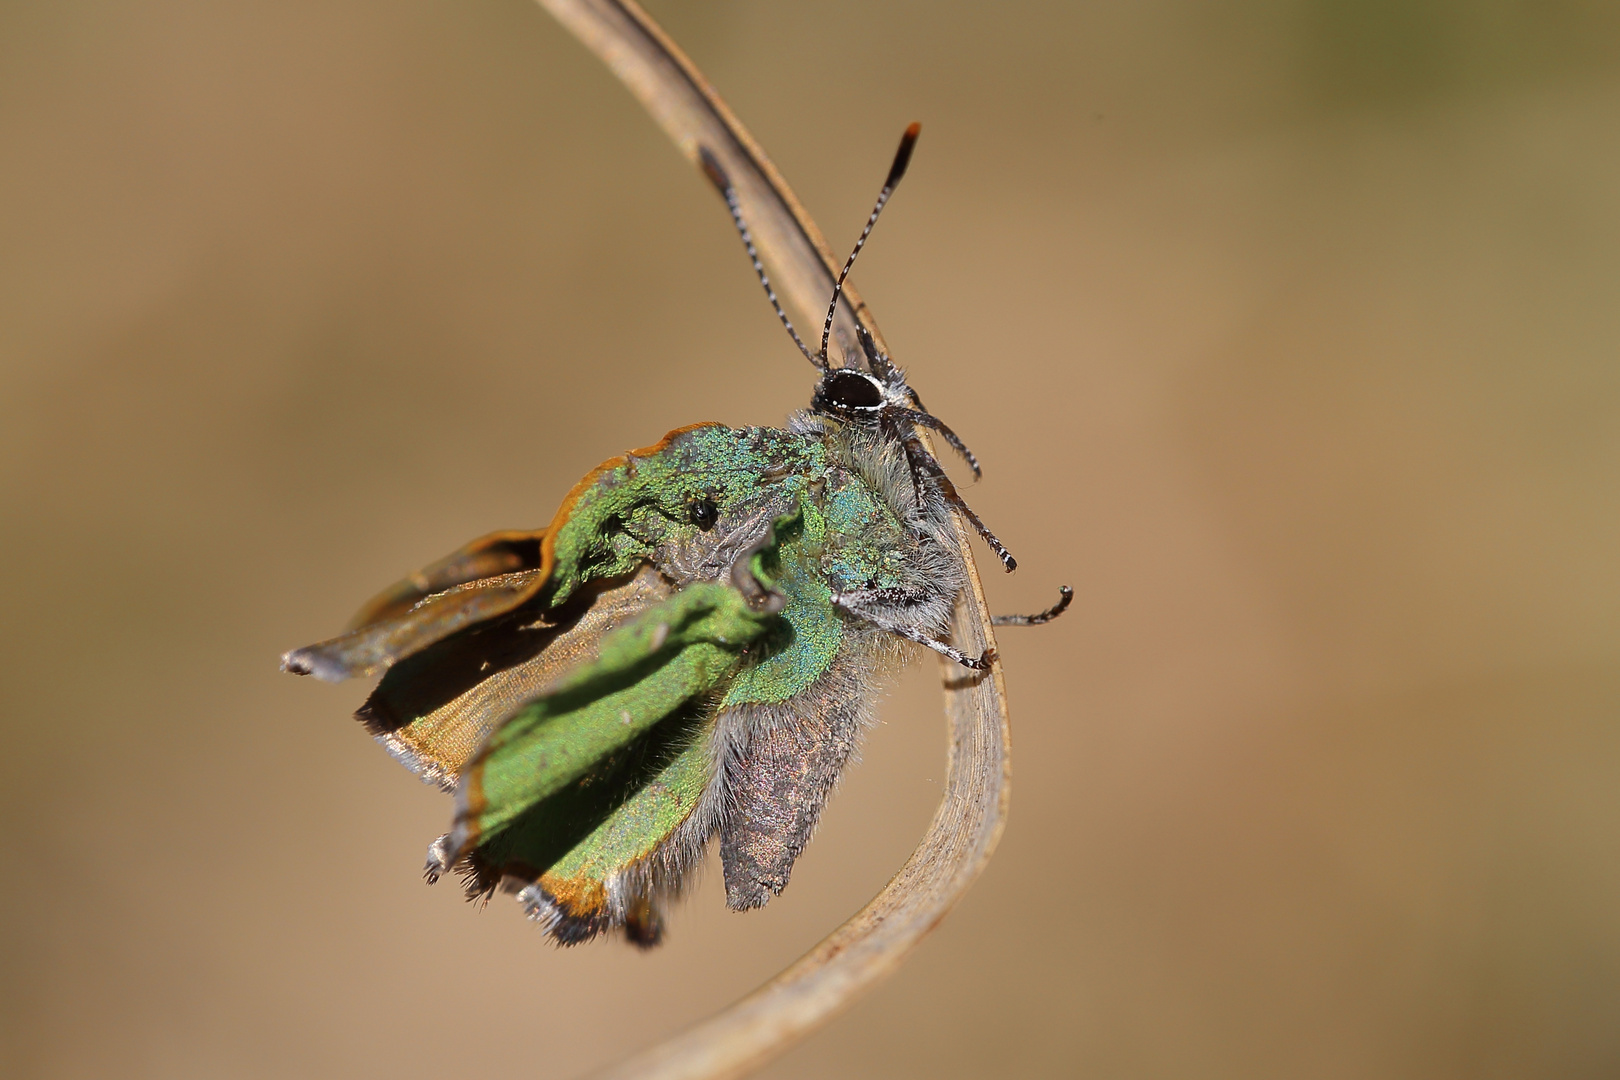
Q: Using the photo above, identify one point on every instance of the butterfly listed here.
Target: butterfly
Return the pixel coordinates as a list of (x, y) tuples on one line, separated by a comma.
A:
[(690, 649)]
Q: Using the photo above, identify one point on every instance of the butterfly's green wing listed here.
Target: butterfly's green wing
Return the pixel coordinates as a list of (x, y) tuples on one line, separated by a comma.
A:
[(604, 833), (574, 891), (579, 794), (434, 708), (681, 651)]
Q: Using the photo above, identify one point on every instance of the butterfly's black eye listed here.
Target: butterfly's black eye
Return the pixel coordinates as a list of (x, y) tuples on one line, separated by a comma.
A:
[(847, 389), (703, 513)]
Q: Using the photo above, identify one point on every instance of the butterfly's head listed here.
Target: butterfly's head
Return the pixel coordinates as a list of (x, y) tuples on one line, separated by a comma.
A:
[(877, 398), (853, 396)]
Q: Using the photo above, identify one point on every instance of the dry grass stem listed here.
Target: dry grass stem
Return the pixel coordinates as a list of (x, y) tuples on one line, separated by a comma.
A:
[(969, 820)]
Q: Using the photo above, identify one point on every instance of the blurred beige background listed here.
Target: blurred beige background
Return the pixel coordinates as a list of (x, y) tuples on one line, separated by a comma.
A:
[(1287, 330)]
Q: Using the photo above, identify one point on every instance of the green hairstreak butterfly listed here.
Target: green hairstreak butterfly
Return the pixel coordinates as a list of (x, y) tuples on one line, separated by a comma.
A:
[(690, 650)]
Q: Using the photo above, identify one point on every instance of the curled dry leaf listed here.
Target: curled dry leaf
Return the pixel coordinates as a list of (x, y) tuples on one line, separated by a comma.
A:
[(969, 820)]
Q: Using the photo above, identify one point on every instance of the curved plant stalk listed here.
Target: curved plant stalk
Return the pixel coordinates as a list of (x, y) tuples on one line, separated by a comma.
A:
[(971, 814)]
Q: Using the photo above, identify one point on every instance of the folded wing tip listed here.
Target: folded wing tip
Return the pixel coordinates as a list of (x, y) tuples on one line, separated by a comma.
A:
[(310, 661)]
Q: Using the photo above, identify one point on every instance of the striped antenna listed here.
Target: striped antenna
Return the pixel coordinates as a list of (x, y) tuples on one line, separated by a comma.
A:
[(717, 176), (902, 158)]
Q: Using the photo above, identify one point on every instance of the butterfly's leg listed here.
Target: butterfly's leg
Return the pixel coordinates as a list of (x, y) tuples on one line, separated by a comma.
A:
[(912, 448), (1065, 594), (920, 456), (978, 663), (933, 423)]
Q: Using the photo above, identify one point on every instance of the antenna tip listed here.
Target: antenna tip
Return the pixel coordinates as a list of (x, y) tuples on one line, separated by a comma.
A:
[(902, 157)]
